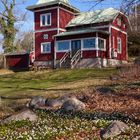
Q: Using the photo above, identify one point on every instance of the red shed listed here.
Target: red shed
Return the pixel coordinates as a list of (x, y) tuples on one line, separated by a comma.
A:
[(17, 61), (64, 37)]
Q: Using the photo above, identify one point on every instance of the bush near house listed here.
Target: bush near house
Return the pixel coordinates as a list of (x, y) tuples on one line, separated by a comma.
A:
[(134, 46)]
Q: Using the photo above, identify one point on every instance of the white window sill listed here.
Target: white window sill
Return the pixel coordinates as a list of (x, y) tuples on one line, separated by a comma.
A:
[(45, 52), (44, 25)]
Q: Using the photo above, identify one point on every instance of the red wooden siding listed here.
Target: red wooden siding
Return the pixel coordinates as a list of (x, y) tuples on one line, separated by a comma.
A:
[(38, 40), (115, 35), (89, 54), (53, 19), (59, 55), (18, 61), (65, 18)]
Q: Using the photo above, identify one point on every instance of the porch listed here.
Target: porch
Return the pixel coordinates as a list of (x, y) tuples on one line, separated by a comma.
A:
[(75, 48)]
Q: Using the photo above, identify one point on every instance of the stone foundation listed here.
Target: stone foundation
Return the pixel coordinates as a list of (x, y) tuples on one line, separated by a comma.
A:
[(99, 63), (84, 63), (49, 64)]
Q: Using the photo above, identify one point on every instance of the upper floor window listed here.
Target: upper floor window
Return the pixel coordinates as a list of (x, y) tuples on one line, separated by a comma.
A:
[(101, 44), (89, 43), (45, 19), (119, 22), (46, 47), (119, 45)]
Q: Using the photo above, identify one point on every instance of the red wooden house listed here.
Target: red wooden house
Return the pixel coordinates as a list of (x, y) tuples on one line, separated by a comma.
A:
[(64, 37)]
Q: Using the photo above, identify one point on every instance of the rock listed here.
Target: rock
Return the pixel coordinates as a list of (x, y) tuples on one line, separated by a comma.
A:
[(114, 129), (53, 103), (37, 102), (73, 104), (22, 115), (105, 90), (136, 138), (58, 102)]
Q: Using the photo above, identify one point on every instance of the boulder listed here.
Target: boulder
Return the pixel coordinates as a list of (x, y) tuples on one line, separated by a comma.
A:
[(73, 104), (105, 90), (37, 102), (114, 129), (58, 102), (22, 115), (136, 138)]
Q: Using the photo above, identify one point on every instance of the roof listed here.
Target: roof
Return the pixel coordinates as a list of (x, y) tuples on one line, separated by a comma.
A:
[(94, 17), (89, 30), (43, 3), (16, 53)]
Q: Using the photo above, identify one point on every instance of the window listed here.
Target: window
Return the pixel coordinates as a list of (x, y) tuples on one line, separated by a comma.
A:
[(119, 45), (45, 36), (45, 19), (46, 47), (101, 44), (119, 22), (63, 46), (89, 43)]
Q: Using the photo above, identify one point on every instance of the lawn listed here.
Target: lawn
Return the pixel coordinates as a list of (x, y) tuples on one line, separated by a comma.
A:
[(120, 103), (31, 83)]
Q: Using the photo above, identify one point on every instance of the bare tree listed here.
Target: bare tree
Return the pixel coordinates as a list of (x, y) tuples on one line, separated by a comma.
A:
[(7, 24), (27, 41)]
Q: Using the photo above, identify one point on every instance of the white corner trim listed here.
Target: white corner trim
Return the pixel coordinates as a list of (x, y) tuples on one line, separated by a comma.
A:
[(97, 43), (58, 19), (110, 49)]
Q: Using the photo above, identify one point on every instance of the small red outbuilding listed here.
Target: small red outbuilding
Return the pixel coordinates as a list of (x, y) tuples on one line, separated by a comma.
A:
[(17, 61)]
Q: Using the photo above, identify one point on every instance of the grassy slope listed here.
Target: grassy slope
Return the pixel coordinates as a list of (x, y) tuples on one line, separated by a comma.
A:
[(32, 83)]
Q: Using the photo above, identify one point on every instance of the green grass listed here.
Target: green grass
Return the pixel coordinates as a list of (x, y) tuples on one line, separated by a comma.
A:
[(30, 83)]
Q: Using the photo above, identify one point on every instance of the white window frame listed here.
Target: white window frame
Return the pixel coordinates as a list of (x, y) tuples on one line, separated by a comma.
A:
[(63, 50), (119, 21), (42, 48), (46, 15), (45, 36), (104, 49), (82, 42), (119, 42)]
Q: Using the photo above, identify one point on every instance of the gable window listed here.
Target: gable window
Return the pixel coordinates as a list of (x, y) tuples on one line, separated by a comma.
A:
[(46, 47), (119, 45), (101, 44), (45, 19), (89, 43), (119, 22), (63, 46)]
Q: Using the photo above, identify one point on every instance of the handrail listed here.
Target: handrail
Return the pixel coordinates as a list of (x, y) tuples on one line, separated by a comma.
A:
[(63, 59), (75, 58)]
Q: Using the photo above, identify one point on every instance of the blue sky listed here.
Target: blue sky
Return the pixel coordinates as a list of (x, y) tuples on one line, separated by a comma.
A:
[(83, 5)]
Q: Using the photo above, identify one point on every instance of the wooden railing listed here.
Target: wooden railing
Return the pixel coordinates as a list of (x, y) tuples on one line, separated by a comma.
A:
[(64, 58), (75, 59)]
